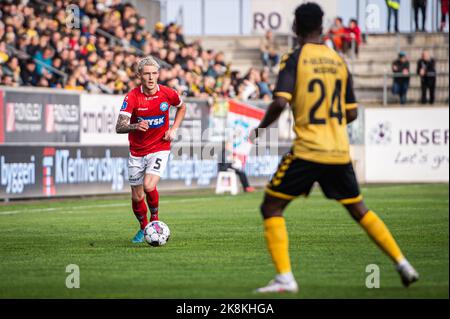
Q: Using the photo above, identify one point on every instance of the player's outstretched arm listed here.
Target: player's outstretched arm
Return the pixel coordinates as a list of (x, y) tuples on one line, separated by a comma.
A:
[(123, 125)]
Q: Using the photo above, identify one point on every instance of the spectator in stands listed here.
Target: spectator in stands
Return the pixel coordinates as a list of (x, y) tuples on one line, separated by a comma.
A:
[(10, 36), (393, 7), (226, 88), (43, 82), (209, 87), (158, 33), (33, 45), (180, 36), (247, 89), (197, 88), (12, 69), (426, 69), (138, 40), (265, 92), (2, 30), (338, 35), (182, 57), (220, 59), (354, 38), (45, 58), (56, 42), (235, 77), (400, 68), (100, 64), (420, 5), (7, 80), (56, 80), (72, 84), (4, 56), (189, 82), (91, 45), (83, 52), (171, 57), (444, 14), (170, 28), (141, 24), (23, 42), (269, 51), (171, 42), (29, 74)]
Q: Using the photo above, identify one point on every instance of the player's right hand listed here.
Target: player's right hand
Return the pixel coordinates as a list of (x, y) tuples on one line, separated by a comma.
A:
[(142, 126)]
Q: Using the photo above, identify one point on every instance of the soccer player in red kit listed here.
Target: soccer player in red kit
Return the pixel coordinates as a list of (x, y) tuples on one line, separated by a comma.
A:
[(144, 116)]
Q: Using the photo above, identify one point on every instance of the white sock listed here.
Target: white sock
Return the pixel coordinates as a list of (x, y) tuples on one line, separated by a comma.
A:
[(286, 277), (403, 263)]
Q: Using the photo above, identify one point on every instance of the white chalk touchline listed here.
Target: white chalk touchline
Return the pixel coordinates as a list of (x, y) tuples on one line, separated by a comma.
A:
[(66, 209), (52, 209)]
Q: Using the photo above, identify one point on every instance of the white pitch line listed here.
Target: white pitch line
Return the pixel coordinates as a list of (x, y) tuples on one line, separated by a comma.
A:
[(52, 209), (56, 209)]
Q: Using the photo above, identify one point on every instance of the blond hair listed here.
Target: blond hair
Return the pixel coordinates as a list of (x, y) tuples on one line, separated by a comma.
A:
[(149, 60)]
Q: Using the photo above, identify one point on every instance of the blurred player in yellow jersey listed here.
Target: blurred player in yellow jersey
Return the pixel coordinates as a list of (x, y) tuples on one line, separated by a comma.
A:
[(315, 81)]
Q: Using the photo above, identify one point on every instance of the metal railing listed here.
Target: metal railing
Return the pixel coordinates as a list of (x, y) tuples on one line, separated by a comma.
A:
[(441, 86), (24, 56), (127, 46), (113, 40)]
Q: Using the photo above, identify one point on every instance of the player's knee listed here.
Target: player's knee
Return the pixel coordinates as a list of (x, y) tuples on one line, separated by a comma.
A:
[(149, 188), (137, 194), (357, 211), (137, 197), (264, 211), (268, 210), (361, 209)]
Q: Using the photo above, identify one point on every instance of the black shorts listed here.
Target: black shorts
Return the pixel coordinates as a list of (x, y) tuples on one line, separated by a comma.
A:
[(295, 177)]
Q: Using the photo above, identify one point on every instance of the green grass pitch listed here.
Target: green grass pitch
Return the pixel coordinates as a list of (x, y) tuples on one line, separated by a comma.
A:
[(217, 248)]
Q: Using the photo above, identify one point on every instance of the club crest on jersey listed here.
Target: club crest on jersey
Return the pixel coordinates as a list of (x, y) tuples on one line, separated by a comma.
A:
[(164, 106), (154, 121)]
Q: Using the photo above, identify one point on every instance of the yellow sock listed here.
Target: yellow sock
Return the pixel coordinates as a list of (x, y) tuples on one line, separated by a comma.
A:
[(277, 243), (378, 231)]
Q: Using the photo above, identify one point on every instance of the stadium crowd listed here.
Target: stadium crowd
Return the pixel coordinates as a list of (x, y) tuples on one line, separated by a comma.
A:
[(38, 47)]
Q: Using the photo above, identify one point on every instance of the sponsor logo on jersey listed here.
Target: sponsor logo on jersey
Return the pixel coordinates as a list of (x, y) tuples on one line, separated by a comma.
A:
[(124, 105), (164, 106), (154, 121)]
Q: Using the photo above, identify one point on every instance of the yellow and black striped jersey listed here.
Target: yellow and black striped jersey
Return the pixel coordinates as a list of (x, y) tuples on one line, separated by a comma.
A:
[(317, 83)]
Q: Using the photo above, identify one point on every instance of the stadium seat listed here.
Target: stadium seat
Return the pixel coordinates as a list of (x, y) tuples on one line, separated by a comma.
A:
[(227, 182)]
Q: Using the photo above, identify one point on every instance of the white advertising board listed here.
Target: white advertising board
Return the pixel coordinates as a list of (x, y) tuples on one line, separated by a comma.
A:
[(98, 118), (407, 145)]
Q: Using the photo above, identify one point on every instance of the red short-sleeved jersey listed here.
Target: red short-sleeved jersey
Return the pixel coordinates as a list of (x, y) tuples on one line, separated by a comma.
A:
[(155, 110)]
